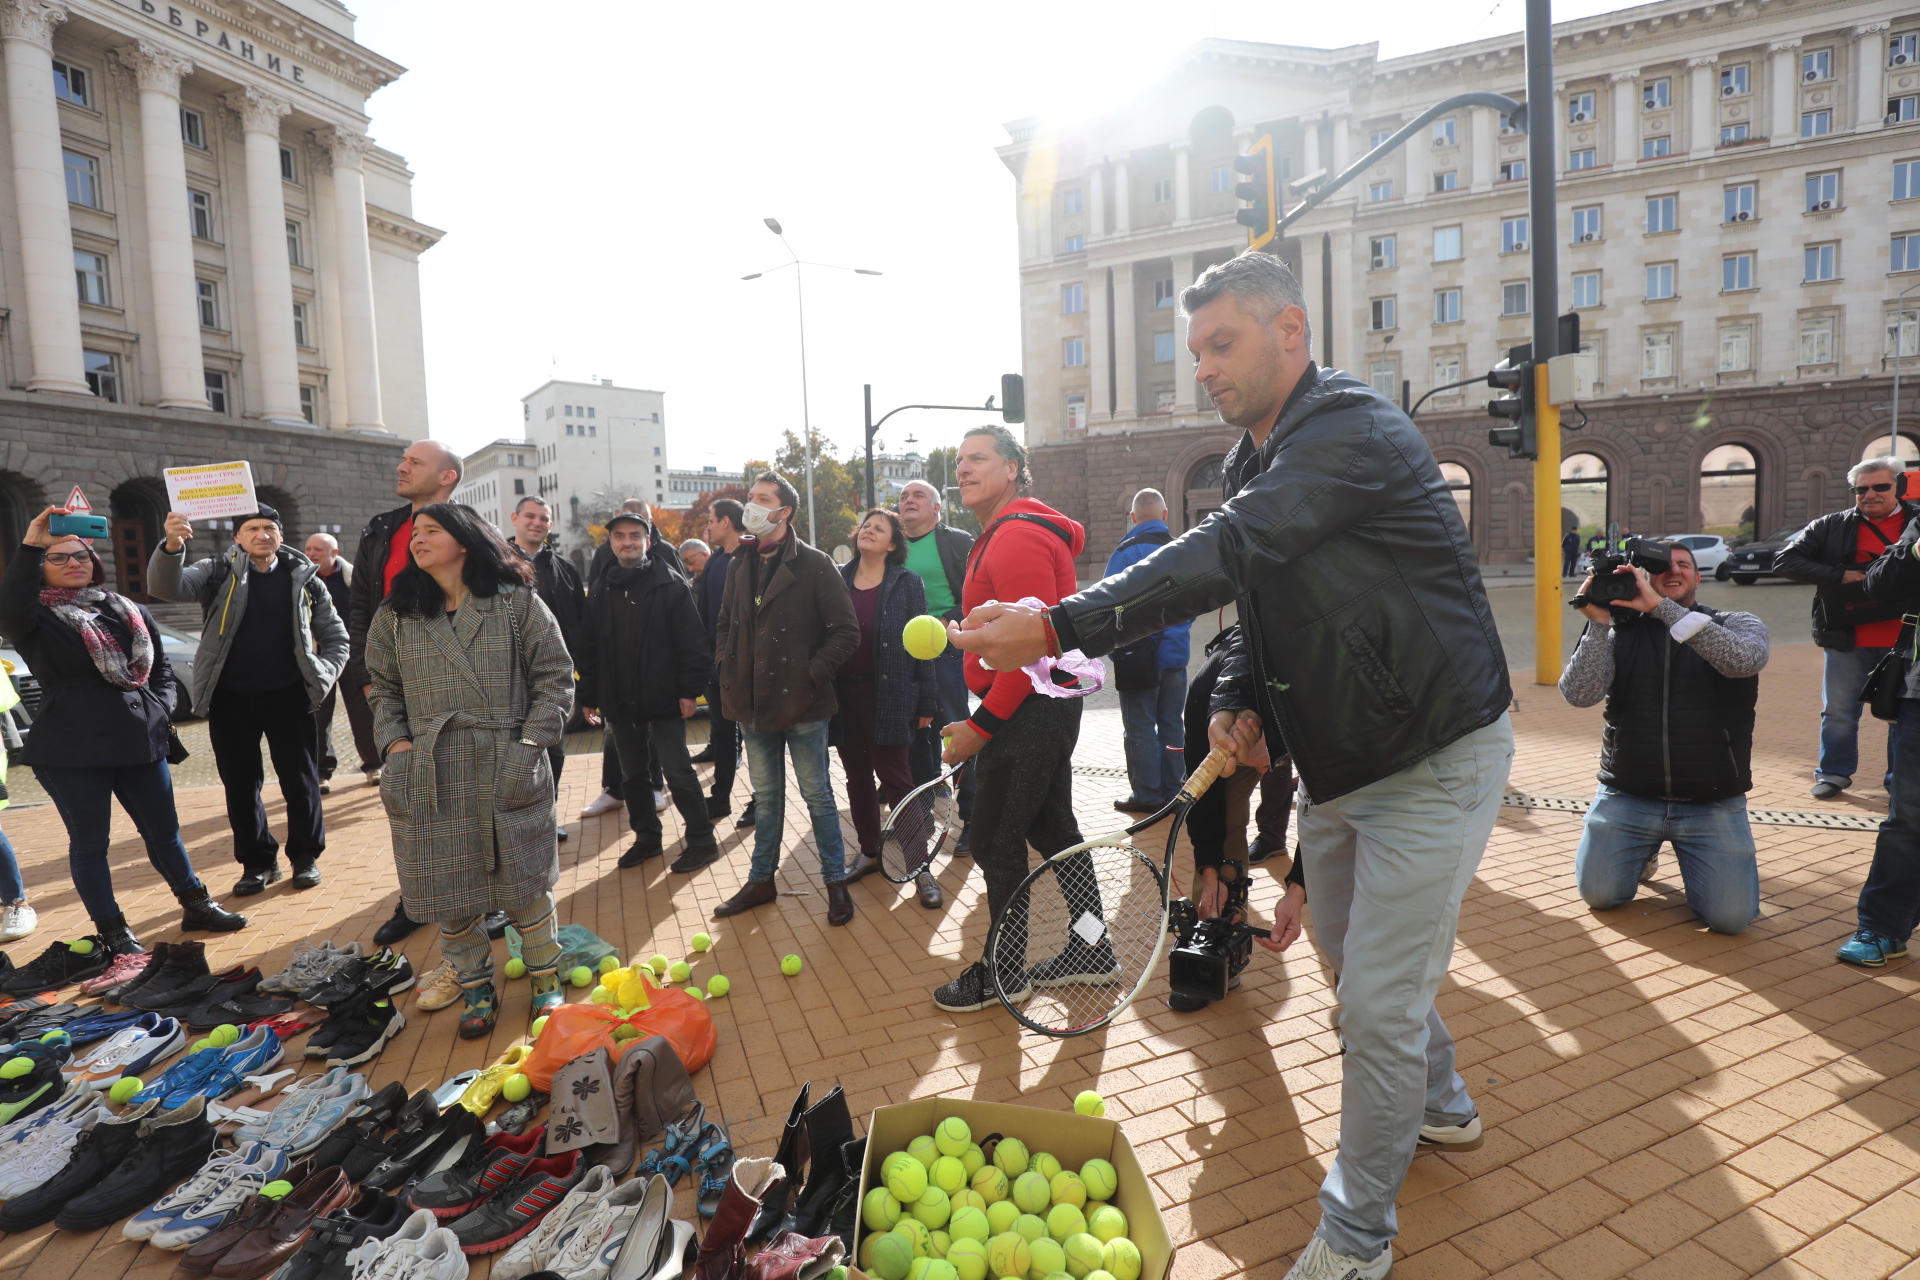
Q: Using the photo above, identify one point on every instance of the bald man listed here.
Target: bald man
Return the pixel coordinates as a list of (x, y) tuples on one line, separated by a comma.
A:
[(1151, 674)]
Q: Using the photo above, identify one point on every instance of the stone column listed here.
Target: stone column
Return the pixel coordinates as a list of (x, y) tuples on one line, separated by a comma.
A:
[(1783, 91), (1342, 147), (1043, 226), (275, 363), (1099, 343), (176, 319), (1481, 123), (1097, 202), (1310, 144), (1869, 69), (353, 259), (1182, 183), (1126, 353), (40, 191), (1186, 397), (1702, 94), (1122, 198), (1626, 117)]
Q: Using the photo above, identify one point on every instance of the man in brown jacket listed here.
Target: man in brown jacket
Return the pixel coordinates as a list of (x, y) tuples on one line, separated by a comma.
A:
[(786, 624)]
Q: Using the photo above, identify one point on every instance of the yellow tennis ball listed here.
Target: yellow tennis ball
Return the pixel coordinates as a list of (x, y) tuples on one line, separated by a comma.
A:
[(973, 1158), (953, 1136), (658, 963), (1089, 1103), (1031, 1194), (1084, 1254), (923, 1150), (1001, 1215), (936, 1269), (932, 1207), (609, 963), (1106, 1222), (869, 1239), (880, 1210), (1099, 1275), (1008, 1255), (1048, 1257), (580, 976), (1030, 1226), (702, 941), (969, 1223), (925, 637), (719, 984), (1068, 1189), (517, 1087), (600, 995), (892, 1255), (990, 1183), (1100, 1179), (679, 971), (124, 1088), (907, 1180), (278, 1189), (516, 967), (948, 1173), (893, 1158), (539, 1025), (1045, 1164), (625, 1032), (915, 1233), (1010, 1157), (790, 965), (198, 1045), (224, 1034), (694, 990), (1065, 1220), (968, 1257), (967, 1198), (1122, 1257), (941, 1243)]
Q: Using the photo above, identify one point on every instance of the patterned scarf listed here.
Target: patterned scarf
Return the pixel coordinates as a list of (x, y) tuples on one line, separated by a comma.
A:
[(105, 651)]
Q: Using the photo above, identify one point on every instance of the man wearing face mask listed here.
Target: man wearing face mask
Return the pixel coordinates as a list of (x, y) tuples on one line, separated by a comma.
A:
[(786, 625)]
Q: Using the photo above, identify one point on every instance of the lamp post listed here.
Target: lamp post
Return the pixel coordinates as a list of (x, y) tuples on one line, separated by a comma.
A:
[(1899, 332), (800, 296)]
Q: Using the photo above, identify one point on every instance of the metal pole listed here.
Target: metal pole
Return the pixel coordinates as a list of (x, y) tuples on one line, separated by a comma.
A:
[(1542, 232), (1326, 299), (806, 414), (867, 390)]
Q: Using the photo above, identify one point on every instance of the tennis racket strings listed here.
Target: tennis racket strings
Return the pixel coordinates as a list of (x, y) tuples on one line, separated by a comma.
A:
[(918, 829), (1082, 936)]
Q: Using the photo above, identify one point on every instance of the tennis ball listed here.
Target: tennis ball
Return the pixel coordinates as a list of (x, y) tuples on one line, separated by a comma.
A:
[(1031, 1194), (915, 1233), (1030, 1226), (516, 968), (517, 1087), (1010, 1157), (1001, 1215), (923, 1150), (600, 995), (880, 1210), (893, 1158), (838, 1273), (1068, 1189), (1100, 1179), (1089, 1103), (892, 1256), (925, 637), (679, 971), (719, 984), (967, 1198), (198, 1045), (1065, 1220), (907, 1180), (790, 965), (941, 1243), (626, 1031), (870, 1239), (539, 1025), (225, 1034), (278, 1189), (968, 1257), (1045, 1164), (702, 941), (14, 1068), (696, 992), (580, 976), (1106, 1222), (1084, 1254), (948, 1173), (1048, 1257), (1099, 1275), (932, 1207), (657, 963), (990, 1183), (1007, 1254), (953, 1136), (969, 1224), (973, 1158), (124, 1088), (936, 1269), (1122, 1257), (609, 963)]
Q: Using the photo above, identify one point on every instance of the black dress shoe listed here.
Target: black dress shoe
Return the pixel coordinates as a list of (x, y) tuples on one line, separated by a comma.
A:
[(718, 806), (965, 847), (703, 757), (839, 903), (747, 815), (1261, 849), (306, 875), (496, 923), (754, 893), (398, 926), (640, 853), (256, 879), (928, 890), (204, 914), (561, 835), (693, 858)]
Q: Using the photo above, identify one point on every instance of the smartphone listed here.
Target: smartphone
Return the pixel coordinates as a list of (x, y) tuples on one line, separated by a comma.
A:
[(79, 525)]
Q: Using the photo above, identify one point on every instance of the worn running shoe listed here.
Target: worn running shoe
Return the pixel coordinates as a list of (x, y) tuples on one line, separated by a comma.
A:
[(128, 1052), (312, 964), (126, 966), (73, 960), (228, 1180), (1870, 950), (517, 1209), (537, 1249), (438, 989), (43, 1151)]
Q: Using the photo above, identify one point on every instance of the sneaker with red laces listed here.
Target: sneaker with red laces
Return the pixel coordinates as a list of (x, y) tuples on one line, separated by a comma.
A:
[(516, 1209), (125, 968)]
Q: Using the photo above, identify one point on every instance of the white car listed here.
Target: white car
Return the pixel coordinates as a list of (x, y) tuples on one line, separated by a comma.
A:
[(1709, 550)]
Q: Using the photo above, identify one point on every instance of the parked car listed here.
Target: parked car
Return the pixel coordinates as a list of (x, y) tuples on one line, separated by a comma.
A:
[(180, 646), (1709, 550), (1748, 562)]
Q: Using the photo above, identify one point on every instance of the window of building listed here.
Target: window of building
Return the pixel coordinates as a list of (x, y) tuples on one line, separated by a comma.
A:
[(1076, 413), (1513, 171), (1584, 492), (1903, 50), (83, 179), (1382, 313), (1220, 180), (1460, 484), (1377, 137), (288, 171), (72, 84), (1737, 203), (200, 214), (1656, 355), (207, 294), (1729, 492), (569, 428), (1903, 110), (593, 429), (1659, 280), (1446, 306), (1906, 253), (1816, 64), (1445, 133), (1446, 369), (1448, 181), (1823, 192), (1073, 201), (1733, 80), (1164, 294), (216, 390), (103, 375), (519, 487), (1662, 213), (1385, 377), (1587, 224), (1446, 244), (1382, 252), (1732, 135), (1816, 340), (1822, 261), (1586, 288), (1513, 298), (569, 409), (1073, 298), (1162, 190), (1579, 108), (1816, 124), (193, 128), (309, 404), (1585, 158), (295, 257), (1162, 348), (1657, 95), (90, 272), (1654, 148), (1074, 353), (1903, 334), (1076, 244), (1736, 348), (302, 337), (1379, 191), (1513, 235), (1736, 272)]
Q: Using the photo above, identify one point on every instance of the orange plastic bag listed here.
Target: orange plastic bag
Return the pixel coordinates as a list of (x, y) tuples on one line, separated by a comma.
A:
[(574, 1029)]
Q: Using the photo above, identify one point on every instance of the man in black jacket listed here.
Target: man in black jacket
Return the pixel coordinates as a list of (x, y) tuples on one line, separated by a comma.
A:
[(1675, 762), (1368, 648), (709, 589), (1854, 630), (938, 553), (557, 583), (644, 660)]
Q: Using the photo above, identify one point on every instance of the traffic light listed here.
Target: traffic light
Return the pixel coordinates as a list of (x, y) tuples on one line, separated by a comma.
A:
[(1514, 376), (1259, 192), (1013, 398)]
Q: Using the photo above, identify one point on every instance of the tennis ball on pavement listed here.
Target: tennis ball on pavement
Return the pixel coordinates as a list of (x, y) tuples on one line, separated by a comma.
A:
[(790, 965), (1044, 1163), (953, 1136), (880, 1210), (1031, 1194), (278, 1189), (925, 637), (225, 1034), (1007, 1254), (516, 968), (968, 1257), (967, 1198), (1122, 1257), (658, 963), (1089, 1103), (969, 1224), (1068, 1189), (990, 1184), (702, 941), (539, 1025), (1100, 1179), (1106, 1222), (948, 1174), (696, 992), (125, 1087), (892, 1256), (1001, 1215), (907, 1180), (915, 1233), (1065, 1220), (932, 1207), (941, 1243), (1084, 1254), (1048, 1257), (517, 1087), (580, 976), (1030, 1226), (679, 971), (1010, 1157), (719, 984), (973, 1158), (923, 1150)]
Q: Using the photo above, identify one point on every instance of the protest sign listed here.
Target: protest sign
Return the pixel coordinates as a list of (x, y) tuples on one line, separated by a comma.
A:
[(221, 489)]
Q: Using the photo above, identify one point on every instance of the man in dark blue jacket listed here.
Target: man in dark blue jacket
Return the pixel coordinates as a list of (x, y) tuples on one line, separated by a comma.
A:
[(1151, 676)]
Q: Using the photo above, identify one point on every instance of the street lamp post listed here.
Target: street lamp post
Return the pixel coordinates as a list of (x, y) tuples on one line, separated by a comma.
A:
[(800, 296), (1899, 332)]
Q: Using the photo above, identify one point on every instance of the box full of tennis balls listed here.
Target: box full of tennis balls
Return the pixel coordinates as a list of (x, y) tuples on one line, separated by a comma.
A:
[(1128, 1214)]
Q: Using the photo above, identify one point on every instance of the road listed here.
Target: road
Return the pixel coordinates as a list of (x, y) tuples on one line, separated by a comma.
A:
[(1783, 606)]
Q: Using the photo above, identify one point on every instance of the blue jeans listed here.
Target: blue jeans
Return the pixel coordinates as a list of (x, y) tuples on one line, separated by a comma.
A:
[(767, 767), (11, 889), (1151, 728), (1846, 674), (84, 798), (1890, 899), (1713, 842), (923, 754)]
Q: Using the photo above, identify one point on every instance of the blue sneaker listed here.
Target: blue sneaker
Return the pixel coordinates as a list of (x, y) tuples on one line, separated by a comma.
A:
[(184, 1077), (91, 1027), (1870, 950), (226, 1182), (243, 1058)]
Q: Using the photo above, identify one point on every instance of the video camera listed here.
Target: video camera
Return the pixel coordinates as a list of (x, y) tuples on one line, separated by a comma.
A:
[(1610, 586), (1212, 953)]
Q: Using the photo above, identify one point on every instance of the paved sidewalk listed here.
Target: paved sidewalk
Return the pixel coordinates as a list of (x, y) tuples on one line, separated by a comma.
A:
[(1660, 1102)]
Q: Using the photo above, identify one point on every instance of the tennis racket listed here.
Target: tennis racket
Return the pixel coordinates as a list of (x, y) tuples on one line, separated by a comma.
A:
[(1088, 926), (919, 827)]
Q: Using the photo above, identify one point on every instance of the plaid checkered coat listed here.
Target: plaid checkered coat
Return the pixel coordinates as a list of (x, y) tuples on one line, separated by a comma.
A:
[(471, 807)]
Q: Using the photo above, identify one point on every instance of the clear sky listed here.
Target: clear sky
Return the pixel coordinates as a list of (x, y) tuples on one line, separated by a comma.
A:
[(601, 168)]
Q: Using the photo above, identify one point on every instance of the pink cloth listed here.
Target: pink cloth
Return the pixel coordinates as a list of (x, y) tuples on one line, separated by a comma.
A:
[(1072, 675)]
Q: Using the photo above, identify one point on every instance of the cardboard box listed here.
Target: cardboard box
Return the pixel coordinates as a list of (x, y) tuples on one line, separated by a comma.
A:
[(1074, 1139)]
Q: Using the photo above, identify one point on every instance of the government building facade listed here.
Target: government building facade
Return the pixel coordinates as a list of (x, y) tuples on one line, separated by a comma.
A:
[(1739, 216), (203, 258)]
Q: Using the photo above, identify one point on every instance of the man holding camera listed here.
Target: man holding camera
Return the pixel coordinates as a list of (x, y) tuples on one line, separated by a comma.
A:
[(1854, 630), (1680, 682)]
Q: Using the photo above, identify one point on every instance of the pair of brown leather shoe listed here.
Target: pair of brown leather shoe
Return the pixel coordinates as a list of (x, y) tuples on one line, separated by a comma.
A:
[(269, 1231)]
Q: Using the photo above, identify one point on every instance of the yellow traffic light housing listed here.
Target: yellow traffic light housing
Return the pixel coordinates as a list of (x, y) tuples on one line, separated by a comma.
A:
[(1261, 192)]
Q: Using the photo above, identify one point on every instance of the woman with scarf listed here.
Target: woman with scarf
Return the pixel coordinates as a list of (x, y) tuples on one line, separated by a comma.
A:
[(104, 724)]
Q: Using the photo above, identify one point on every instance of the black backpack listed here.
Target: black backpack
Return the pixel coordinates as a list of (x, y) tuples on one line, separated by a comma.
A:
[(1136, 666)]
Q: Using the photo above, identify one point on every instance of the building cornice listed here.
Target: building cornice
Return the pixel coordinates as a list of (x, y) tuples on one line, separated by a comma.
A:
[(273, 28), (398, 228)]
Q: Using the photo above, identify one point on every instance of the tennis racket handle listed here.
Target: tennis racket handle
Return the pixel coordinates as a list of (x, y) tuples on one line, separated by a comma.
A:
[(1203, 777)]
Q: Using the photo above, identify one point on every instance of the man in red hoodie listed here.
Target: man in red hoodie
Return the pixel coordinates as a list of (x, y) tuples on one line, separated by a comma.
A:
[(1020, 742)]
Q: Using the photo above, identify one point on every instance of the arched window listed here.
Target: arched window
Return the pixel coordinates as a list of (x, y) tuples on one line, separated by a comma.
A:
[(1202, 496), (1460, 481), (1584, 495), (1729, 492), (1909, 450)]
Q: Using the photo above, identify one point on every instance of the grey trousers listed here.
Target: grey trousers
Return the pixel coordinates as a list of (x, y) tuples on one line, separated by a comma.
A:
[(1387, 867)]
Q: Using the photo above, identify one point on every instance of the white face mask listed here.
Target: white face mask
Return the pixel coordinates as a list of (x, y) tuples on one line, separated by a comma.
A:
[(758, 520)]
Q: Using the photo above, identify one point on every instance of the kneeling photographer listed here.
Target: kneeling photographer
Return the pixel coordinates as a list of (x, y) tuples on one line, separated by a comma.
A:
[(1680, 683)]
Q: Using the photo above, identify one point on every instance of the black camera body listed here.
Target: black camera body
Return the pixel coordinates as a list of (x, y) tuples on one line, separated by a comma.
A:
[(1610, 586), (1212, 953)]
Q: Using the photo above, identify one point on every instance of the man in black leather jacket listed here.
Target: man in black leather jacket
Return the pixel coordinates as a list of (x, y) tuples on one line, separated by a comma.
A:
[(1368, 647)]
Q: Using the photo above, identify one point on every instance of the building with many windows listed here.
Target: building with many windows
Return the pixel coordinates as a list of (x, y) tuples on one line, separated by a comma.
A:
[(496, 477), (203, 257), (1739, 216), (684, 486), (593, 439)]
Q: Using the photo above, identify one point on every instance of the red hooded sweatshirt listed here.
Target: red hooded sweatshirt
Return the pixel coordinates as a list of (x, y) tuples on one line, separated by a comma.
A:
[(1014, 559)]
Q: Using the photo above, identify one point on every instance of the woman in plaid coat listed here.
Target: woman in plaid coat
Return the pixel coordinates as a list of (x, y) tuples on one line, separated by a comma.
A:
[(471, 685)]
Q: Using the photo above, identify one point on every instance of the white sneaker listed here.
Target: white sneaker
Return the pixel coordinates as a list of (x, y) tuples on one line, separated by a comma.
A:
[(18, 920), (375, 1258), (607, 803), (1452, 1135), (638, 1207), (438, 1257), (44, 1151), (532, 1252), (661, 800), (1319, 1262)]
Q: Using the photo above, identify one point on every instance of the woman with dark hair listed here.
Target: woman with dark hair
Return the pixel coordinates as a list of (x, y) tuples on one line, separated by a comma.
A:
[(103, 728), (471, 685), (885, 692)]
